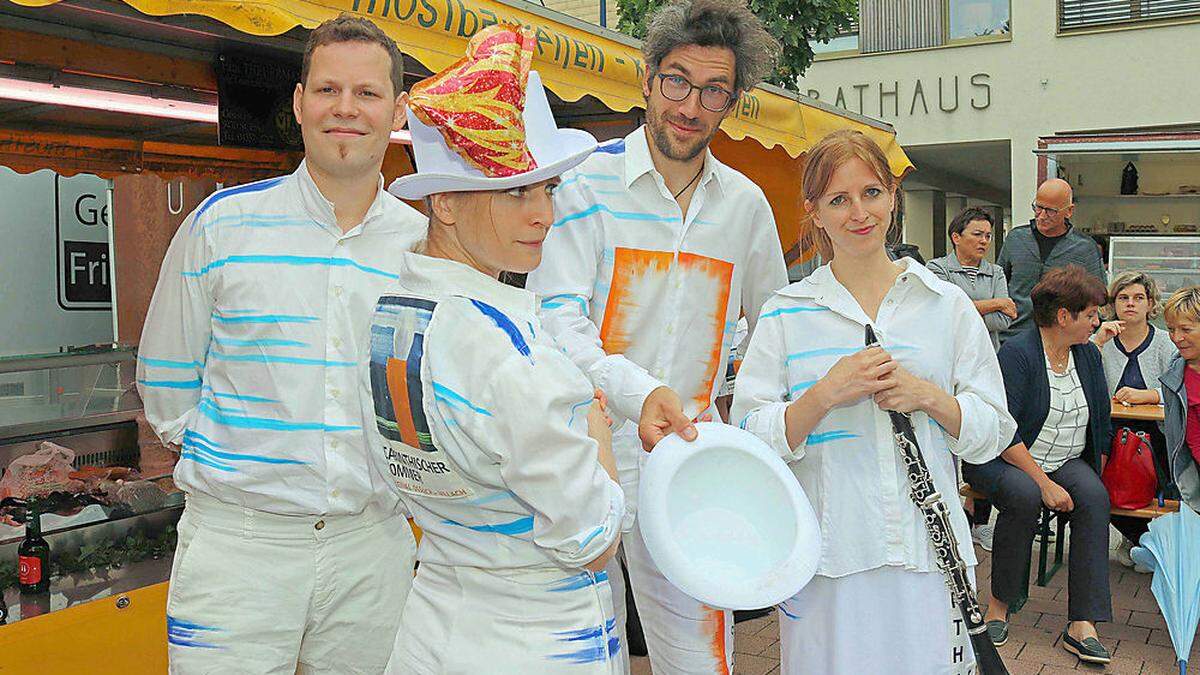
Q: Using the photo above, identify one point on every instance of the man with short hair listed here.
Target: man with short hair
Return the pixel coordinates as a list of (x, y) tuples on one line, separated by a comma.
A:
[(658, 248), (291, 554), (1048, 241)]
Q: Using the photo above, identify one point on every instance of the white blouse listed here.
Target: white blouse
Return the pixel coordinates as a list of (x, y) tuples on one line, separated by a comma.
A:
[(848, 465), (1064, 434)]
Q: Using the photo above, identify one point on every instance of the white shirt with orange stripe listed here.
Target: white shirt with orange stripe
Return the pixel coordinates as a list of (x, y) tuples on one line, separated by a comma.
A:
[(639, 295)]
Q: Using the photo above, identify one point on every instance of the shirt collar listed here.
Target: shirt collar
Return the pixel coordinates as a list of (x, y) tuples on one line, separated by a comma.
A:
[(438, 276), (821, 286), (321, 209), (639, 162), (953, 264)]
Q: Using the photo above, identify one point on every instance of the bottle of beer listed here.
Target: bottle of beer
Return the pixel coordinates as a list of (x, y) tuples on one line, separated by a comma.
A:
[(33, 558)]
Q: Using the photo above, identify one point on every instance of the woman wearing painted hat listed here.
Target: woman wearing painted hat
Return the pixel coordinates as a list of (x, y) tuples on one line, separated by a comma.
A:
[(809, 388), (484, 424)]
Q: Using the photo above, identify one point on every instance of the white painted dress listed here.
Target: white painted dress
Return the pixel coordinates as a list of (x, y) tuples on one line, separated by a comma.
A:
[(482, 429), (878, 603)]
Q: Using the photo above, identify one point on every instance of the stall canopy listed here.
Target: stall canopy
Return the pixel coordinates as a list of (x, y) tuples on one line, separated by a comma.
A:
[(574, 59)]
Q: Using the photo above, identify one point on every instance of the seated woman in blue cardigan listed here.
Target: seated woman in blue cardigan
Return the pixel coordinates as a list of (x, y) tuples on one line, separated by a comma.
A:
[(1057, 393)]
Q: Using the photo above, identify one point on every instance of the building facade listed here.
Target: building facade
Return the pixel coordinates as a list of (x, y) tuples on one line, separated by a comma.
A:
[(603, 13), (990, 97)]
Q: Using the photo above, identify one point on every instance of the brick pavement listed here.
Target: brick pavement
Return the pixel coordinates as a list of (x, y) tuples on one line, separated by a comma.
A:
[(1137, 636)]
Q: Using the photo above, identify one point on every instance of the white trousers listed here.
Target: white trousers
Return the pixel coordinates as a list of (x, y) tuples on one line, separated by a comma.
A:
[(886, 620), (684, 636), (254, 592), (526, 621)]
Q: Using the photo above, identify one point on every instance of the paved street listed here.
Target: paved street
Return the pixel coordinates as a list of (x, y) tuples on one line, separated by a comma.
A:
[(1137, 636)]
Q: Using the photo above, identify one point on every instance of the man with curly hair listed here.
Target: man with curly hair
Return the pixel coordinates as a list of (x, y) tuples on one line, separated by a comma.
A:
[(657, 250)]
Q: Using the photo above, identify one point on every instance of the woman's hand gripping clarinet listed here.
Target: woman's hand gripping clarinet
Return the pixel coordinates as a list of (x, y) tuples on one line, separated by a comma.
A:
[(937, 523)]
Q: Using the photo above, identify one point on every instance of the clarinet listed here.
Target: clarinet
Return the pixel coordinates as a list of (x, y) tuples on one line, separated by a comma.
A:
[(933, 509)]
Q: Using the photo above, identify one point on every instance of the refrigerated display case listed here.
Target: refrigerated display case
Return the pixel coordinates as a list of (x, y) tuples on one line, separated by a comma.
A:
[(1174, 262), (71, 447)]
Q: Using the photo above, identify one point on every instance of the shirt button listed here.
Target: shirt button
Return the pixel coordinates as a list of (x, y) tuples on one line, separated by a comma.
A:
[(320, 525), (333, 444), (337, 341), (337, 290), (336, 493), (335, 392)]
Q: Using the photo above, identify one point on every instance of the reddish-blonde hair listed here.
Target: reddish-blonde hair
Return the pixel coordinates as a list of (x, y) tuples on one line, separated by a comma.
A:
[(822, 160)]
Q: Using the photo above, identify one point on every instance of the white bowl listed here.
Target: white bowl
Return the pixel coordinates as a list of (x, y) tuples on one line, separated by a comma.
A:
[(725, 519)]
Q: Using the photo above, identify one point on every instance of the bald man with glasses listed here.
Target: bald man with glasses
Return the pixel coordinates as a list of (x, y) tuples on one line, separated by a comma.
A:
[(1048, 241)]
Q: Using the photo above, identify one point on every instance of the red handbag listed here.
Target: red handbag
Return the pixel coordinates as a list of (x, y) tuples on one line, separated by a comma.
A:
[(1129, 476)]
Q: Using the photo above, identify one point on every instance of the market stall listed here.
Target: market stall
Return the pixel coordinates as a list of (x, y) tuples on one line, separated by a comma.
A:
[(113, 119), (1138, 196), (593, 73)]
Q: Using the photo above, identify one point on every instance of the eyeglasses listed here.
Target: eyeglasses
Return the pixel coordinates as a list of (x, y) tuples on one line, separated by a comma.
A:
[(1049, 210), (678, 88)]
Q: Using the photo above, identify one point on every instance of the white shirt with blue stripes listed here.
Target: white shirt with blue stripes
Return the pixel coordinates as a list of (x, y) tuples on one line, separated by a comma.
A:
[(256, 344), (848, 465)]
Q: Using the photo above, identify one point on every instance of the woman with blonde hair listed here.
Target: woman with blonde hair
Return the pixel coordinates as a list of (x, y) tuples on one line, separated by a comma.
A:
[(810, 389), (1181, 387)]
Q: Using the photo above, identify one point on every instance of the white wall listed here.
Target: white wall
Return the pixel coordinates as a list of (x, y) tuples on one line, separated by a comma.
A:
[(1035, 85)]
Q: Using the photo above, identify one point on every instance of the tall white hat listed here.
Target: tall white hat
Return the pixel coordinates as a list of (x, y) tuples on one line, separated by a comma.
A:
[(484, 123)]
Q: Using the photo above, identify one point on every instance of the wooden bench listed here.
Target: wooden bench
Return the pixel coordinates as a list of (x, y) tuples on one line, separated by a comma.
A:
[(1048, 568)]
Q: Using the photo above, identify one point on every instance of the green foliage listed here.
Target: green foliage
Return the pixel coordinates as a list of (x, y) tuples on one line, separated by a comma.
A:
[(795, 23), (101, 556)]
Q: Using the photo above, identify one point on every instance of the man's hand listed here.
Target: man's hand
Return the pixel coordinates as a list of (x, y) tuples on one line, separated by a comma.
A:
[(1056, 498), (1006, 307), (662, 415)]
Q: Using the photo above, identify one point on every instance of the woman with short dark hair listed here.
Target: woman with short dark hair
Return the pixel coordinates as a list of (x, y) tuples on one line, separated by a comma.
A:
[(982, 281), (985, 285), (1057, 394)]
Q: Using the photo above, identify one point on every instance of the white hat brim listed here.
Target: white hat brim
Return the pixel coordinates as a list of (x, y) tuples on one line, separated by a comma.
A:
[(725, 520), (573, 146)]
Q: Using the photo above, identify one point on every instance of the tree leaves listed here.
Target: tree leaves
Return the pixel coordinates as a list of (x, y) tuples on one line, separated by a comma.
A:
[(795, 23)]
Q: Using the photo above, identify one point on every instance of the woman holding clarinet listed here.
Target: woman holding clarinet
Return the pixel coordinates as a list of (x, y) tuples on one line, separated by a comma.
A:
[(812, 388)]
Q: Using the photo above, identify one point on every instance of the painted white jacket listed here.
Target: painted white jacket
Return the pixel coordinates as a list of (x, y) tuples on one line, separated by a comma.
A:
[(638, 295), (253, 343), (481, 424), (849, 466)]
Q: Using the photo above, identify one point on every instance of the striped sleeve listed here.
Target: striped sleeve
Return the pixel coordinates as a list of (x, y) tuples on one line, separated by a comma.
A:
[(176, 334)]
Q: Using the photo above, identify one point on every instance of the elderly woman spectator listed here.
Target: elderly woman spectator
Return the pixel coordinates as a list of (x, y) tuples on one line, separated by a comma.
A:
[(1181, 392), (1135, 355), (984, 283), (1056, 392)]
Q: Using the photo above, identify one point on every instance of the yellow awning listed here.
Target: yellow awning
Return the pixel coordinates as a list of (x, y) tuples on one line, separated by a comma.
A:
[(573, 60)]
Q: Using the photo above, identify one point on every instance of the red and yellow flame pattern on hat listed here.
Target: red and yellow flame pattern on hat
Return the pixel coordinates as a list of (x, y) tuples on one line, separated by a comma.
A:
[(478, 103)]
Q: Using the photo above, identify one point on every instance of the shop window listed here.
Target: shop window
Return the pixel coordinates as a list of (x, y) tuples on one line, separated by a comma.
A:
[(1084, 14)]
